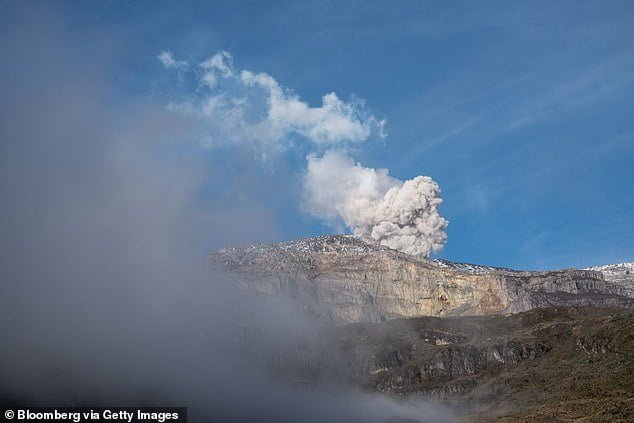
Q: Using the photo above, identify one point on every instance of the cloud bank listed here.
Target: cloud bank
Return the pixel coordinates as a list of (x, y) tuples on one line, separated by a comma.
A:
[(400, 215), (242, 107)]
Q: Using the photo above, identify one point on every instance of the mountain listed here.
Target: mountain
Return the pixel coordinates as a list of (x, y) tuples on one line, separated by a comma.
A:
[(492, 344), (347, 279), (545, 365)]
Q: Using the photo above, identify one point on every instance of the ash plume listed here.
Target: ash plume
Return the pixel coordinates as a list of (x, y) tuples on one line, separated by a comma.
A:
[(402, 215), (252, 108)]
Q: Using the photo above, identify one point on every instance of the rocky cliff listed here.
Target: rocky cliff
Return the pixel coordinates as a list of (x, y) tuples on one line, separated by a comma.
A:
[(346, 279)]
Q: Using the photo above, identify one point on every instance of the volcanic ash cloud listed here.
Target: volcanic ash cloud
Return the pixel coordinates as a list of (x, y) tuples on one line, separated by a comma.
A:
[(401, 215)]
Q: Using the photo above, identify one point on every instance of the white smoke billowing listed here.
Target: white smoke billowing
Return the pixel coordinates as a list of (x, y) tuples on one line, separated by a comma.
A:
[(241, 107), (400, 215)]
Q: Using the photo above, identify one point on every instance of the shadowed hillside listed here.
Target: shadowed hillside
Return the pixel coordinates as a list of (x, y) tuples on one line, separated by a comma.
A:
[(559, 363)]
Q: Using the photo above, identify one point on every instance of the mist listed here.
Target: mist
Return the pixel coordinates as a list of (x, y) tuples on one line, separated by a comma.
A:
[(106, 297)]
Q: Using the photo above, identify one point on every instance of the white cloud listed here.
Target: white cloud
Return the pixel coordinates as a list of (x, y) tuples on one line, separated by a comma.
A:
[(220, 62), (168, 61), (252, 108)]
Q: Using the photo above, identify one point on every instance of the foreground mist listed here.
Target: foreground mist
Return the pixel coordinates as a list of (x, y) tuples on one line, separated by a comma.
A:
[(103, 300)]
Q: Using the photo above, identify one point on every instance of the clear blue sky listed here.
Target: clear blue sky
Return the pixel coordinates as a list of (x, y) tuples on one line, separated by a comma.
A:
[(523, 112)]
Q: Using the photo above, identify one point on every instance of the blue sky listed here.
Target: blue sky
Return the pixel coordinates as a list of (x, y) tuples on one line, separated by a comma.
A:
[(523, 112)]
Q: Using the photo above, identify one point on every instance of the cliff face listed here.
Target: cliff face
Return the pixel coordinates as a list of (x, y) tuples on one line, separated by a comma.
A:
[(345, 279)]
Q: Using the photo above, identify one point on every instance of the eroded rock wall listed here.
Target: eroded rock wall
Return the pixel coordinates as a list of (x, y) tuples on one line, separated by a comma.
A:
[(345, 279)]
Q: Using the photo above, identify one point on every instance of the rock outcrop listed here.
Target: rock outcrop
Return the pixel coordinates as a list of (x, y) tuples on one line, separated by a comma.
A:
[(346, 279), (621, 274)]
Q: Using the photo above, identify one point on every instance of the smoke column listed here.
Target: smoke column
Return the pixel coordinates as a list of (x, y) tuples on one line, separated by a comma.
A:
[(253, 109), (400, 215)]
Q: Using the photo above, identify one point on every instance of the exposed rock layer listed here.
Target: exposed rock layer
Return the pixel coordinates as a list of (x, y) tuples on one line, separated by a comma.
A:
[(346, 279)]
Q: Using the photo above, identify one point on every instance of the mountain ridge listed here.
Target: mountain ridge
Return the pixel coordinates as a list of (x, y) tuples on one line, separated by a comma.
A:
[(491, 344), (348, 279)]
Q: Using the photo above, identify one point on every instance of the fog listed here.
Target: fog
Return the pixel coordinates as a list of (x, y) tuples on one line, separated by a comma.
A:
[(105, 296)]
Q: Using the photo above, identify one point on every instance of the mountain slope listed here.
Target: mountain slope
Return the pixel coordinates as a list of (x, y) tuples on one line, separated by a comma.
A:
[(555, 364), (345, 279)]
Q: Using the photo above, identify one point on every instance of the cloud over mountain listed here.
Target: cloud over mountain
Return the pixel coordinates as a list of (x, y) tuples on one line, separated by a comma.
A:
[(243, 107)]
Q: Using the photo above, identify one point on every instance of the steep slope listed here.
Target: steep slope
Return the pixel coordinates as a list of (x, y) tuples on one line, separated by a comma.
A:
[(555, 364), (346, 279)]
